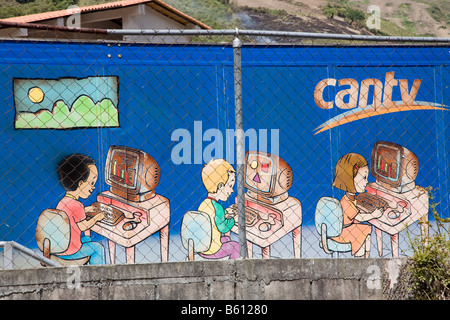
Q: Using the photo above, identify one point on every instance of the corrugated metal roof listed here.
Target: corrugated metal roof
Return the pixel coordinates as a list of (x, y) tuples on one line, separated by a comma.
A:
[(157, 5)]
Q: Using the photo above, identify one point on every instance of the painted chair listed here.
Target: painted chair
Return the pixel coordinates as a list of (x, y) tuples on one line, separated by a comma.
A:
[(53, 236), (196, 234), (329, 220)]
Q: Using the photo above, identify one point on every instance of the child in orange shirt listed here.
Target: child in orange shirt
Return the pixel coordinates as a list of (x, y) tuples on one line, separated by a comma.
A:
[(351, 174)]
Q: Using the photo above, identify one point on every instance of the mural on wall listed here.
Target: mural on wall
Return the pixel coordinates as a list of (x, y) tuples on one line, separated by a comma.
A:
[(344, 226), (395, 169), (66, 103), (63, 234), (321, 113), (134, 211), (207, 230), (270, 212), (389, 204), (127, 214), (355, 99)]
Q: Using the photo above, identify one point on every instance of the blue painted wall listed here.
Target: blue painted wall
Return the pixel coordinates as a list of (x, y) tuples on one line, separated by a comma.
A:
[(164, 88)]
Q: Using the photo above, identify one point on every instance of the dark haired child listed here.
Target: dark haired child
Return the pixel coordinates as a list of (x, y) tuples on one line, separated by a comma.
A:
[(78, 175)]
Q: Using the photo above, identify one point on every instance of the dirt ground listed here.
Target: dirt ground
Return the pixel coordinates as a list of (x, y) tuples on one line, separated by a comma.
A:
[(296, 17), (415, 11), (306, 16), (305, 6), (254, 19)]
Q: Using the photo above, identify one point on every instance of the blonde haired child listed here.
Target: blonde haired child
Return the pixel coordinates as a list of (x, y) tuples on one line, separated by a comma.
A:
[(218, 177)]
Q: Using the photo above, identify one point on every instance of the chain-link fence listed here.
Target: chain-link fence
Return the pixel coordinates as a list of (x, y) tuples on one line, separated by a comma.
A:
[(148, 146)]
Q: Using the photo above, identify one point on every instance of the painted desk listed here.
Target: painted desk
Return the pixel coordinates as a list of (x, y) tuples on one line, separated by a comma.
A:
[(152, 216), (413, 205), (291, 222)]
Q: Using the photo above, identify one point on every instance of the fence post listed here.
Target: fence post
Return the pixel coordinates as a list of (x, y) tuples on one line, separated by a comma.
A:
[(239, 127), (8, 255)]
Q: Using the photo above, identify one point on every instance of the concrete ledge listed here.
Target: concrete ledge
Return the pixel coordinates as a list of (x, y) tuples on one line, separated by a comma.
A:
[(253, 279)]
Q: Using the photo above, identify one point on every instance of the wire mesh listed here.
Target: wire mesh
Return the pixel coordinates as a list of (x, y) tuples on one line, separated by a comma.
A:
[(121, 146)]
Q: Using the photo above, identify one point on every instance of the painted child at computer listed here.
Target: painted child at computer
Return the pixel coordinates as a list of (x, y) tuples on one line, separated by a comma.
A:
[(351, 175), (218, 177), (134, 210), (270, 213), (78, 175), (395, 169)]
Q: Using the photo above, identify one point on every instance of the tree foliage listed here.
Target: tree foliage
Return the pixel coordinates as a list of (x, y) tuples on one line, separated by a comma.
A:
[(215, 13), (430, 264), (9, 8), (344, 11)]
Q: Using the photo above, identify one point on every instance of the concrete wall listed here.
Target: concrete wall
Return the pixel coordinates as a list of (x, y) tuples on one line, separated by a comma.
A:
[(284, 279)]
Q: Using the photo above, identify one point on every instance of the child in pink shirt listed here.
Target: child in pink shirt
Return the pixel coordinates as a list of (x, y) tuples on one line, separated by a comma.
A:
[(78, 175)]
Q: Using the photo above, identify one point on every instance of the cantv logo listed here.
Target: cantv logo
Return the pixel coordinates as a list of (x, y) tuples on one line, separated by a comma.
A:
[(356, 96)]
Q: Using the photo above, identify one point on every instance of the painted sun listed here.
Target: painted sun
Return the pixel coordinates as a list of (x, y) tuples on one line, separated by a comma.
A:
[(36, 95)]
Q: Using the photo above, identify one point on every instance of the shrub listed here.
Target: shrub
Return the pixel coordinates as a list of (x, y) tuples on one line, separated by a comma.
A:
[(429, 266), (344, 11)]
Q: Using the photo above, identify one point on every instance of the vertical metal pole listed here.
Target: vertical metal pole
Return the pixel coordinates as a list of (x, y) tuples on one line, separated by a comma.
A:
[(239, 127), (8, 255)]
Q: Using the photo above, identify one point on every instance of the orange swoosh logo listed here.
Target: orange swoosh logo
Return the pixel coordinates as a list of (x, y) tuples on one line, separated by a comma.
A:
[(358, 114)]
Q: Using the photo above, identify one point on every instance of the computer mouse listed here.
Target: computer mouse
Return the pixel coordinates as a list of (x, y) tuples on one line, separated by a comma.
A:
[(265, 226), (129, 225), (393, 214)]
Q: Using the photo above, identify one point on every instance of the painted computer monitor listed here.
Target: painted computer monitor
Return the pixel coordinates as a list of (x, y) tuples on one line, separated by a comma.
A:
[(267, 176), (132, 174), (393, 166)]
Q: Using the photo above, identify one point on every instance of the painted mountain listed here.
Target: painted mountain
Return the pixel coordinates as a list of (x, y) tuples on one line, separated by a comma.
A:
[(84, 113), (66, 103)]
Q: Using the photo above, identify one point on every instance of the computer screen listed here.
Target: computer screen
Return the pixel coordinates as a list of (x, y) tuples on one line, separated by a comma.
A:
[(394, 166), (132, 174), (267, 174)]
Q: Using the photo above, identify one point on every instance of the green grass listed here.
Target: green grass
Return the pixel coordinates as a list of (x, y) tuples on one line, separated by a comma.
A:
[(439, 10), (389, 28), (14, 8), (439, 14), (214, 13), (430, 263), (218, 14)]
